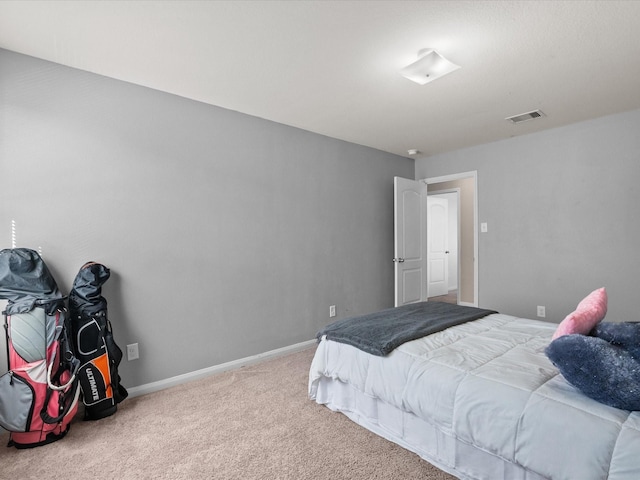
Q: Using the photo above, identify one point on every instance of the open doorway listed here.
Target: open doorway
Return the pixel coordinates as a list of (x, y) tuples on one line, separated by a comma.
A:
[(467, 268), (443, 217)]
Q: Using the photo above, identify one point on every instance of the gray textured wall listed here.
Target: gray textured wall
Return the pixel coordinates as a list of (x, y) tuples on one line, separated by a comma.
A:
[(562, 211), (227, 235)]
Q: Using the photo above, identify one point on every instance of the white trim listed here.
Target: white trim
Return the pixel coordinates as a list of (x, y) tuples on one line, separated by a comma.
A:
[(224, 367), (459, 176)]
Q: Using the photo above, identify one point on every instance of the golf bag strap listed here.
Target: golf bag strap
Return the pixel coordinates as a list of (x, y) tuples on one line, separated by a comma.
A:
[(68, 402), (6, 333)]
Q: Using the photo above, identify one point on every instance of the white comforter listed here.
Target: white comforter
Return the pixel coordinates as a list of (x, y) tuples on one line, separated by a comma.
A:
[(488, 383)]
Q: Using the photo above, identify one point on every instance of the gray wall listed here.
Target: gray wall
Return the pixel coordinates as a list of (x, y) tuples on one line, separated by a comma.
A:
[(562, 211), (227, 235)]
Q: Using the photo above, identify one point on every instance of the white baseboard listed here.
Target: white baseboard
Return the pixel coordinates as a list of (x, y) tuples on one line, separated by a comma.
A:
[(224, 367)]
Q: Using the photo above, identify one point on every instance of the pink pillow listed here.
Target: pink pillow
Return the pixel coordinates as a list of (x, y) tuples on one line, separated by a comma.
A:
[(590, 311)]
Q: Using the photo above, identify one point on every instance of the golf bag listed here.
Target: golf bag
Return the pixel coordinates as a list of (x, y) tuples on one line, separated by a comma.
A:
[(95, 347), (39, 394)]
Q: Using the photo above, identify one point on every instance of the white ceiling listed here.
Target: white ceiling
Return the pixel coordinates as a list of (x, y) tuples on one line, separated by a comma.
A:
[(331, 67)]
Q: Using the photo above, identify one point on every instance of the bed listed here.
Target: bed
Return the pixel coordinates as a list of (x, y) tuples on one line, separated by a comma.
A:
[(479, 400)]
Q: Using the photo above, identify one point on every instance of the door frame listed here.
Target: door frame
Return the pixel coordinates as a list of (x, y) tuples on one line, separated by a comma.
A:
[(455, 191), (460, 176)]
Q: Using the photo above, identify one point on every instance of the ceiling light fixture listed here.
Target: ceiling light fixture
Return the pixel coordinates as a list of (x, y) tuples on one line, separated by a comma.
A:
[(413, 151), (429, 67)]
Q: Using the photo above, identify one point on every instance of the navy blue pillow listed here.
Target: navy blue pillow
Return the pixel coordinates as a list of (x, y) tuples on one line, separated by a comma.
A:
[(604, 371), (623, 334)]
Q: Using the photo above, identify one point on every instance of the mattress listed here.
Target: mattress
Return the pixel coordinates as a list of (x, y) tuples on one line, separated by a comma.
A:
[(481, 401)]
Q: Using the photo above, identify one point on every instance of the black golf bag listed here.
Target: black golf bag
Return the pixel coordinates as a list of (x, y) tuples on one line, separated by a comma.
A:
[(39, 393), (95, 347)]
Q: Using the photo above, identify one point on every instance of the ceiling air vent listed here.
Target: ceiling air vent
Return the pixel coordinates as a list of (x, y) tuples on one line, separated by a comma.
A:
[(523, 117)]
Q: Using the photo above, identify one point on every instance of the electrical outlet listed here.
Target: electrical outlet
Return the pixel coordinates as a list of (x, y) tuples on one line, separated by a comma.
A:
[(332, 311), (541, 311), (132, 351)]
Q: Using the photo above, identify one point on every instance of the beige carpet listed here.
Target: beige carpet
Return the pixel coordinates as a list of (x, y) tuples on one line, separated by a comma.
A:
[(251, 423)]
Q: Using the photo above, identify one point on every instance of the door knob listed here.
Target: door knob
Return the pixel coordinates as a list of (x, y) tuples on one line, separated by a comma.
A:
[(399, 260)]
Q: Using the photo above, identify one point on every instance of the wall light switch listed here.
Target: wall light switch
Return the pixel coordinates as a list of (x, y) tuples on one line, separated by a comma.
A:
[(484, 228)]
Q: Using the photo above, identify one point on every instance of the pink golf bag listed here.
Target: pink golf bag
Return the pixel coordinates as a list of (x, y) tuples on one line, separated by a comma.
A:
[(39, 393)]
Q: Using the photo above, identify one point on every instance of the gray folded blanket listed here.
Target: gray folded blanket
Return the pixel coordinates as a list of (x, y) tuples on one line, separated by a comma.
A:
[(380, 332)]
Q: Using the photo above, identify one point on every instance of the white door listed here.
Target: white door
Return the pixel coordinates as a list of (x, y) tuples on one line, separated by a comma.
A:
[(410, 241), (437, 246)]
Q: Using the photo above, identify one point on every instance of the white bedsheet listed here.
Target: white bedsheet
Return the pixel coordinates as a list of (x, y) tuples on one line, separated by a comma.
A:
[(488, 399)]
